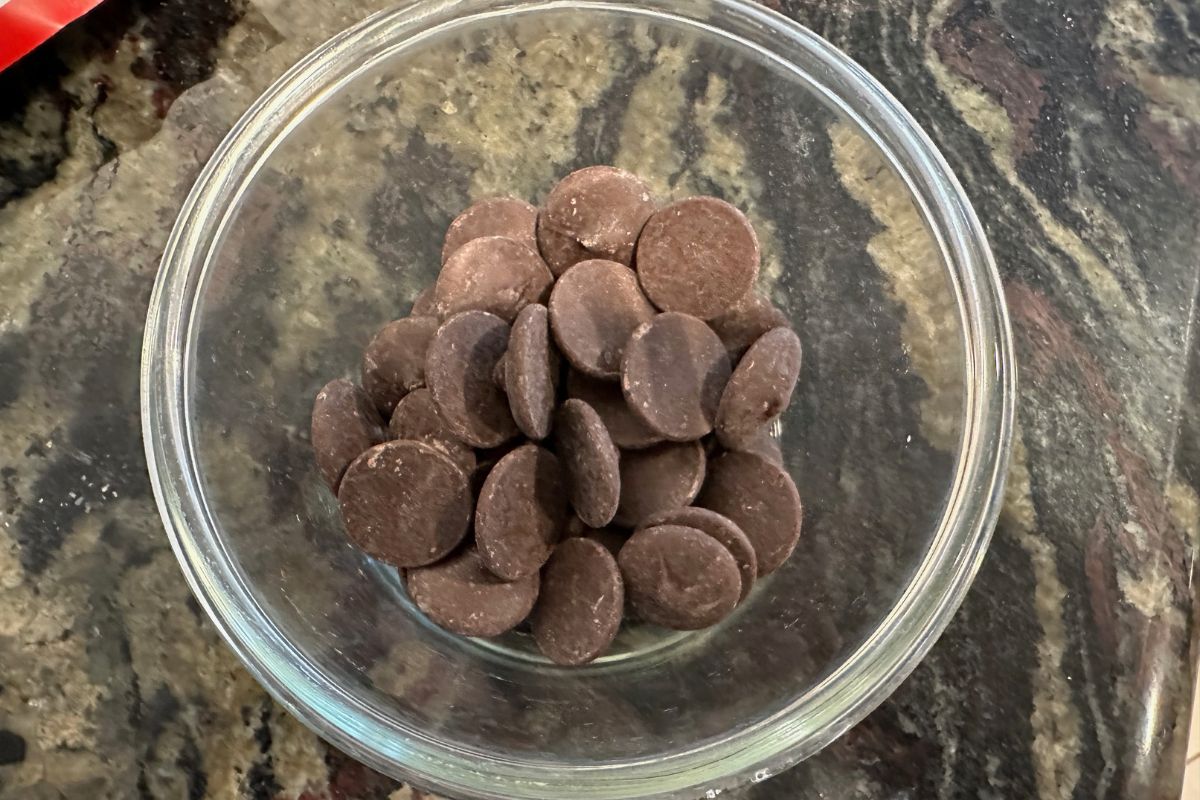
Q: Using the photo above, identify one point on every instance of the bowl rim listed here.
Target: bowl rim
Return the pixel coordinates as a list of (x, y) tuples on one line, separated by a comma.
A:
[(878, 665)]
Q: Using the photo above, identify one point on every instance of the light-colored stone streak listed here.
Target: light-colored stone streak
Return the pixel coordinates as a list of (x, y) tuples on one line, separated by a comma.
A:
[(510, 121), (726, 162), (908, 257), (171, 651), (1055, 720), (1121, 294), (988, 118), (46, 678), (656, 109)]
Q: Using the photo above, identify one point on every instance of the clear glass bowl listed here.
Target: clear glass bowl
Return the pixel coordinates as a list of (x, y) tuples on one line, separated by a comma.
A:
[(320, 217)]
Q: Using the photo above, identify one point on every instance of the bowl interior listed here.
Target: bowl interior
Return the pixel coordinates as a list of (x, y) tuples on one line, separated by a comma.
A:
[(337, 225)]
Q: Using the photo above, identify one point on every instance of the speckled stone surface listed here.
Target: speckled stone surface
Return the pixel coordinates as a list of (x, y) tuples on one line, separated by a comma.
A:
[(1075, 129)]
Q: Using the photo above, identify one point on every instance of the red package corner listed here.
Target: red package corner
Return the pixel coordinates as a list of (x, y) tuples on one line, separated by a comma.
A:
[(24, 24)]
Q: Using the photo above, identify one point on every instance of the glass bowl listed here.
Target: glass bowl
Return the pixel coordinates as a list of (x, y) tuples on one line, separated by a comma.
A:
[(321, 217)]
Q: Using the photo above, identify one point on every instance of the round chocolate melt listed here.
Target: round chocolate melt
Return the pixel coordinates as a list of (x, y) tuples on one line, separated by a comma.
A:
[(748, 320), (761, 499), (492, 274), (521, 512), (493, 216), (627, 430), (595, 212), (760, 388), (531, 368), (393, 363), (344, 425), (405, 503), (699, 256), (459, 370), (679, 577), (594, 308), (673, 373), (657, 479), (581, 603), (721, 528), (460, 595), (592, 463), (416, 418)]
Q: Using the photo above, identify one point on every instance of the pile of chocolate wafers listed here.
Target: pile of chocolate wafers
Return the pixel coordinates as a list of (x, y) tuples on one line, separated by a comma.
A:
[(572, 425)]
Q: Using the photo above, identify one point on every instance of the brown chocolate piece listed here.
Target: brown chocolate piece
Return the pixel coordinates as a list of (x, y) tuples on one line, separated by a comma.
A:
[(521, 512), (574, 526), (678, 577), (426, 303), (761, 499), (393, 363), (416, 418), (560, 251), (762, 444), (609, 536), (405, 503), (592, 463), (760, 389), (626, 429), (721, 528), (673, 373), (594, 308), (500, 372), (657, 479), (486, 459), (459, 368), (344, 425), (748, 320), (581, 603), (595, 212), (493, 216), (492, 274), (531, 369), (463, 597), (699, 256), (612, 538)]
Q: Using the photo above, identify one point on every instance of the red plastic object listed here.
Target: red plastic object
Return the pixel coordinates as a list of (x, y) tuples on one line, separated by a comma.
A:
[(24, 24)]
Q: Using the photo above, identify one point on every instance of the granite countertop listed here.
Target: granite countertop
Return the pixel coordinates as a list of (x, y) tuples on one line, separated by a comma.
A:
[(1075, 129)]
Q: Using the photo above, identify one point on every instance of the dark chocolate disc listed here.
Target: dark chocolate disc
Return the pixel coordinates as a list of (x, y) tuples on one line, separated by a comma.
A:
[(673, 373), (425, 304), (393, 363), (699, 256), (657, 479), (761, 499), (595, 212), (493, 216), (405, 503), (741, 326), (416, 418), (344, 425), (594, 308), (760, 389), (581, 603), (493, 274), (679, 577), (721, 528), (591, 460), (459, 369), (627, 430), (460, 595), (531, 369), (521, 512)]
